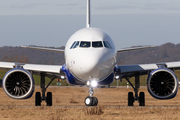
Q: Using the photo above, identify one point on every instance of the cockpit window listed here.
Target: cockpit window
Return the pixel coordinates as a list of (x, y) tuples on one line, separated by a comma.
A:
[(85, 44), (76, 45), (97, 44), (73, 45), (107, 45)]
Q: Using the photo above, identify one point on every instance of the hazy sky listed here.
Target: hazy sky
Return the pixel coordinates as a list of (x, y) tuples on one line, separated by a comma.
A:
[(52, 22), (74, 7)]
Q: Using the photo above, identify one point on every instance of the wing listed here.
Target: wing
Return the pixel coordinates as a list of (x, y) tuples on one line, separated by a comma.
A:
[(18, 82), (130, 70), (162, 83), (134, 48), (45, 49), (54, 70)]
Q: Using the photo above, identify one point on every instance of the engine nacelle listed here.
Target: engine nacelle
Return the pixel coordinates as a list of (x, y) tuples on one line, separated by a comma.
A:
[(18, 83), (162, 83)]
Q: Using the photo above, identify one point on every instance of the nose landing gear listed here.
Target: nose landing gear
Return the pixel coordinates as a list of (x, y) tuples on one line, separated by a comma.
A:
[(89, 100)]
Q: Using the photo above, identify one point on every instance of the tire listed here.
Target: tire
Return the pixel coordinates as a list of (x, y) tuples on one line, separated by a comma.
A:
[(130, 99), (95, 101), (49, 99), (88, 101), (38, 99), (141, 99)]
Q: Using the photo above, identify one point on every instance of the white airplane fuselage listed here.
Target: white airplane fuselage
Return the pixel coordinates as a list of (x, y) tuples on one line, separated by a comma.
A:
[(90, 54)]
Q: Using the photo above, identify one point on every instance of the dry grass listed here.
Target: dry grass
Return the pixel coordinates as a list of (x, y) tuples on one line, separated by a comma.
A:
[(58, 100), (72, 101), (94, 111), (112, 106), (58, 115)]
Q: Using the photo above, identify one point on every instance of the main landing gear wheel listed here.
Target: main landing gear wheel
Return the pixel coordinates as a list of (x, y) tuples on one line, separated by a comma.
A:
[(91, 101), (130, 99), (38, 99), (49, 99), (137, 97), (141, 99)]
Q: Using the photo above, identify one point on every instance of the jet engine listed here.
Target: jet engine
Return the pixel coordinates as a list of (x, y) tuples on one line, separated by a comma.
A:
[(18, 83), (162, 83)]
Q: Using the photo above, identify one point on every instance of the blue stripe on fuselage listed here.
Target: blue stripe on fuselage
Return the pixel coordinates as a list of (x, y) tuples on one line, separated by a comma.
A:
[(108, 80), (74, 81), (70, 78)]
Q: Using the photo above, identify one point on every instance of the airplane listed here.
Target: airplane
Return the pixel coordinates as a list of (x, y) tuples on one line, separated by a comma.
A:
[(90, 59)]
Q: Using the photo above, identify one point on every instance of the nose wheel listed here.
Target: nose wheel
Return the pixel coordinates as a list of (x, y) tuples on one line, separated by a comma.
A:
[(89, 100)]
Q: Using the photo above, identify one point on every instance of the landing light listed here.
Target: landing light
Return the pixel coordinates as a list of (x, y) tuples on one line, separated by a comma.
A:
[(62, 77), (94, 83), (117, 77)]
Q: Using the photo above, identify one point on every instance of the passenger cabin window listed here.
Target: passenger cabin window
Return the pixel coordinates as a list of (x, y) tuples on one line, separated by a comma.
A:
[(73, 45), (85, 44), (107, 45), (97, 44)]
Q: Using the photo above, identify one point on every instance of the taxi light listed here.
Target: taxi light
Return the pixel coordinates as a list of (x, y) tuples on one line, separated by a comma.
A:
[(88, 83)]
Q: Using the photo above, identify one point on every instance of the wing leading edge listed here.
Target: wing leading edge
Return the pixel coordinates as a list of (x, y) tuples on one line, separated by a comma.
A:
[(143, 68), (35, 68), (45, 49), (134, 48)]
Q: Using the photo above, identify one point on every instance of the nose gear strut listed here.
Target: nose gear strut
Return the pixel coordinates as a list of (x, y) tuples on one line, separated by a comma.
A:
[(90, 100)]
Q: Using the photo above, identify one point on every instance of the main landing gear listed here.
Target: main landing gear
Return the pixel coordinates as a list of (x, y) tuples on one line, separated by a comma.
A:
[(89, 100), (140, 98), (48, 97)]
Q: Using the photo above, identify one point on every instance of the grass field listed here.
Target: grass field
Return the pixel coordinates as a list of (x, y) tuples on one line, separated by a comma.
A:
[(112, 106)]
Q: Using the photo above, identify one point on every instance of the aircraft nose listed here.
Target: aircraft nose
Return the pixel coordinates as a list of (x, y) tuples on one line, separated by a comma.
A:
[(91, 64), (88, 65)]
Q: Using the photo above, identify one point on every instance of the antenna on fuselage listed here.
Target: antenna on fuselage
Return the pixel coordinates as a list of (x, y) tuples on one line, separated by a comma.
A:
[(88, 24)]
